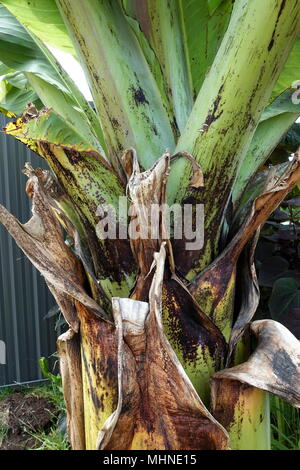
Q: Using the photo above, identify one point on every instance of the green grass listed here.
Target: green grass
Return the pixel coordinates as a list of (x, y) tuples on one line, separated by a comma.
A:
[(51, 440), (5, 392), (285, 425), (3, 432), (55, 438)]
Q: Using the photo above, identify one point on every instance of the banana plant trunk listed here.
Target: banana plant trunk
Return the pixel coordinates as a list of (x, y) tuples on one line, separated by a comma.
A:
[(156, 188)]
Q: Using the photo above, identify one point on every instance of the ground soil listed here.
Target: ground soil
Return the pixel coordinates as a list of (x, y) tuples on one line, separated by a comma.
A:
[(20, 417)]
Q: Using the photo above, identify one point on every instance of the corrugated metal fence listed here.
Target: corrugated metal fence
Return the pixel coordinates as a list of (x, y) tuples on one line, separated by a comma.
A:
[(24, 297)]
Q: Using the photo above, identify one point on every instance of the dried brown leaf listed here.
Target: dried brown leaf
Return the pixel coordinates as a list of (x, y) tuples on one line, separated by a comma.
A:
[(42, 241), (275, 364), (213, 288), (158, 406), (147, 192)]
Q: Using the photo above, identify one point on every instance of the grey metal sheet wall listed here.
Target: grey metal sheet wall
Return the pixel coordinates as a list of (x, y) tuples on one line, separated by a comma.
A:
[(24, 297)]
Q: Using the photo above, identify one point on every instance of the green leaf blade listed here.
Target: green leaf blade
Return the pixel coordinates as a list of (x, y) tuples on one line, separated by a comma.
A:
[(43, 19)]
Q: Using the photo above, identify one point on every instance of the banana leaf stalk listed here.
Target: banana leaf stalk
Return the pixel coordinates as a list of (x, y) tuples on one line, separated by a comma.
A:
[(190, 100)]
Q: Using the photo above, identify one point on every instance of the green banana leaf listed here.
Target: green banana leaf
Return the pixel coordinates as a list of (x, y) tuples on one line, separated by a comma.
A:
[(290, 72), (204, 23), (16, 93), (126, 95), (24, 53), (160, 26), (291, 141), (275, 121), (42, 18), (228, 109)]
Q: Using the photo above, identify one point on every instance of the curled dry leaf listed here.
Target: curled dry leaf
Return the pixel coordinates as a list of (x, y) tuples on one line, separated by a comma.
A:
[(250, 295), (42, 241), (85, 243), (274, 369), (213, 288), (147, 194), (146, 189), (239, 400), (197, 180), (158, 407), (198, 343), (256, 186), (68, 346), (90, 182)]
